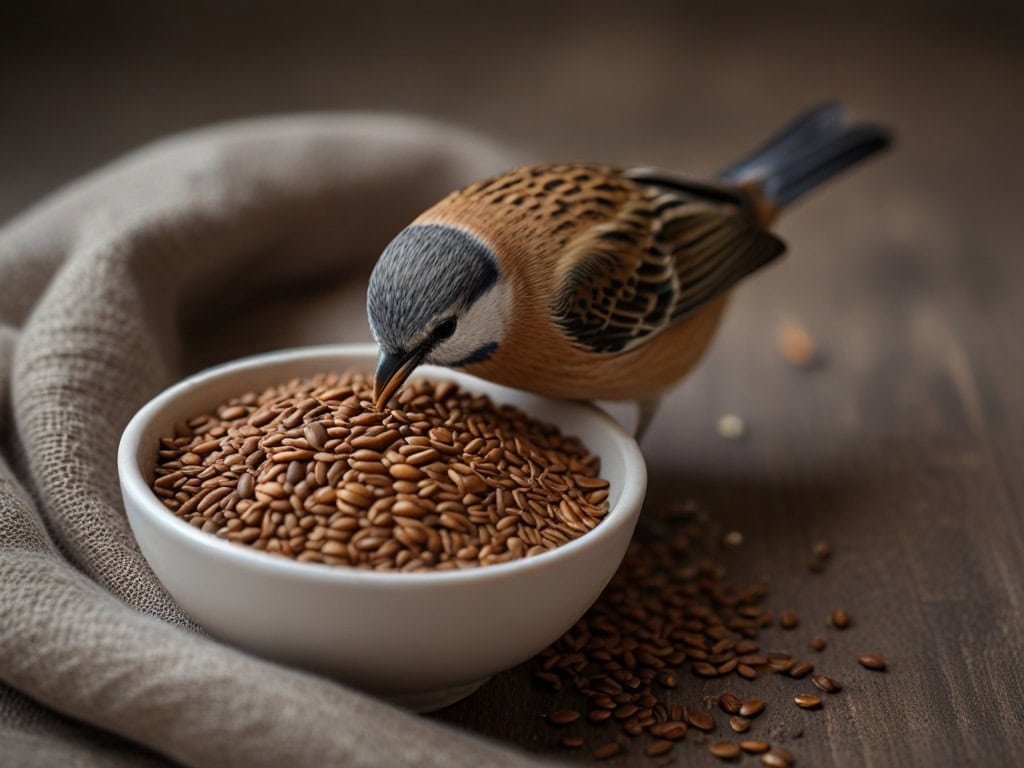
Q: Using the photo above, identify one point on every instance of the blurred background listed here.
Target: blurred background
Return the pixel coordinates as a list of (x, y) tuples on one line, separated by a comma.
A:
[(680, 84)]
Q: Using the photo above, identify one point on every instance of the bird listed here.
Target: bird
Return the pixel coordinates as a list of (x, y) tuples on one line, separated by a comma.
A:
[(588, 281)]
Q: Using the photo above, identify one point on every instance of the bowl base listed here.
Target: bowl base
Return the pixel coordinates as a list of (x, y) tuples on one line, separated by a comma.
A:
[(430, 701)]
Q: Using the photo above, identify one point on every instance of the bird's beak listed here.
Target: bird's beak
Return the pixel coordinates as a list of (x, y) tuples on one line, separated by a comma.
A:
[(393, 368)]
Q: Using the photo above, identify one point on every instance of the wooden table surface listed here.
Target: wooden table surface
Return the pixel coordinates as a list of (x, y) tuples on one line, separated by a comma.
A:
[(903, 449)]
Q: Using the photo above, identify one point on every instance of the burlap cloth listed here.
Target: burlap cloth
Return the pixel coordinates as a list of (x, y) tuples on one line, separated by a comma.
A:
[(213, 244)]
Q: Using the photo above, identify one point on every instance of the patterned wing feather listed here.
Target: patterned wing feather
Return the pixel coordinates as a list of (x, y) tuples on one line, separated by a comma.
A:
[(665, 255)]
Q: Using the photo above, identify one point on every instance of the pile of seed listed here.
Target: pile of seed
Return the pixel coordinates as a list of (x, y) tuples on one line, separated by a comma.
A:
[(444, 479), (670, 609)]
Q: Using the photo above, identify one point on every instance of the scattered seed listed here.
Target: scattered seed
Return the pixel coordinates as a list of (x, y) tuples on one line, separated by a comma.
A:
[(807, 700), (801, 669), (872, 661), (839, 619), (659, 747), (819, 644), (739, 724), (796, 345), (563, 716), (733, 539), (700, 719), (729, 703), (788, 620), (606, 750), (777, 757), (672, 730), (725, 750), (826, 684), (731, 426), (572, 742), (752, 708), (755, 747)]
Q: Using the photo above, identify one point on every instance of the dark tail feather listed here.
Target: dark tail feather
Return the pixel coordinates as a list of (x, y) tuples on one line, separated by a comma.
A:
[(813, 148)]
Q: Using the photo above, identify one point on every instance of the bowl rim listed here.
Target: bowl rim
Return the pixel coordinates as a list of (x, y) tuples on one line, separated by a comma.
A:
[(172, 527)]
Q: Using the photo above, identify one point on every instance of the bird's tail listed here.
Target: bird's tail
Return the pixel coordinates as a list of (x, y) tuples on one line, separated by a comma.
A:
[(813, 148)]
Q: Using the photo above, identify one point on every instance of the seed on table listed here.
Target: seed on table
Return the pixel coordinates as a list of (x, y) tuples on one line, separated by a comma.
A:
[(632, 727), (704, 669), (563, 716), (626, 711), (746, 671), (659, 747), (668, 680), (788, 620), (777, 757), (819, 644), (730, 703), (755, 747), (606, 750), (801, 669), (572, 742), (599, 715), (821, 550), (739, 724), (752, 708), (826, 684), (700, 719), (839, 619), (807, 700), (725, 750), (872, 661), (673, 730)]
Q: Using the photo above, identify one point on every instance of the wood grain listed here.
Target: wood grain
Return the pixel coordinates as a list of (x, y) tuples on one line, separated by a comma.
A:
[(903, 449)]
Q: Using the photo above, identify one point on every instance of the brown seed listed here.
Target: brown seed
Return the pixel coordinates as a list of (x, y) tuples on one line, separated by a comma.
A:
[(671, 729), (755, 747), (599, 715), (819, 644), (668, 680), (739, 724), (752, 708), (777, 757), (563, 716), (872, 661), (801, 669), (704, 669), (572, 742), (796, 345), (788, 619), (821, 550), (659, 747), (746, 671), (807, 700), (839, 619), (309, 470), (826, 684), (606, 750), (700, 719), (725, 750), (730, 703)]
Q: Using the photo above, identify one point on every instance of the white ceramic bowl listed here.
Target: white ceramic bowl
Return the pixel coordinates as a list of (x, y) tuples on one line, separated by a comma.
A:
[(423, 640)]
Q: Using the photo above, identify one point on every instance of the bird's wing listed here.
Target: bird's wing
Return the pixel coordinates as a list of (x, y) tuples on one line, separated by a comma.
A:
[(666, 253)]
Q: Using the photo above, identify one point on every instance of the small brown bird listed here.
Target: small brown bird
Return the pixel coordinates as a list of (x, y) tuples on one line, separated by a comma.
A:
[(591, 282)]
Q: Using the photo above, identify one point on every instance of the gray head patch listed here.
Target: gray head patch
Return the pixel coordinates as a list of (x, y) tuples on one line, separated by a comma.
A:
[(428, 272)]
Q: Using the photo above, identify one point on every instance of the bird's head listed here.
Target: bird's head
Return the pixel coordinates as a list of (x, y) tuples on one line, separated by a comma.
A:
[(436, 296)]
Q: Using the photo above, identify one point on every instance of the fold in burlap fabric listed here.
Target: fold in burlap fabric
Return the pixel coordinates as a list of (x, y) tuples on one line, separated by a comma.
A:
[(207, 246)]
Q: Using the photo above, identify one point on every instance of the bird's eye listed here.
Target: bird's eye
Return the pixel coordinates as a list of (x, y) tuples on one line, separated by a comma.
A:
[(444, 329)]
